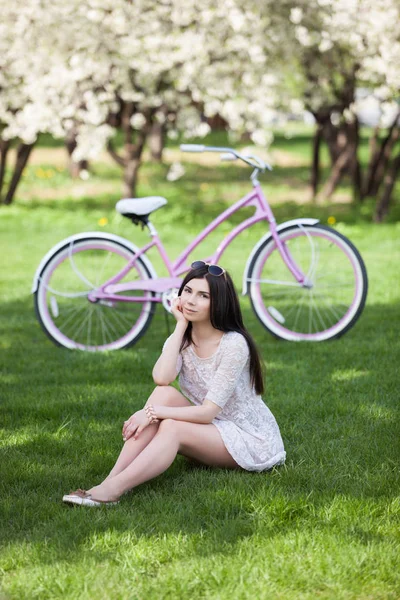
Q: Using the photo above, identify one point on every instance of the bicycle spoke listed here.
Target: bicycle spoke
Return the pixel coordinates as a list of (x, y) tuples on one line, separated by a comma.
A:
[(100, 272), (75, 333), (336, 315), (89, 329), (120, 320), (73, 315), (297, 318), (77, 272), (291, 310), (102, 326), (65, 294), (277, 294), (336, 285), (110, 326), (275, 282), (339, 303), (318, 312)]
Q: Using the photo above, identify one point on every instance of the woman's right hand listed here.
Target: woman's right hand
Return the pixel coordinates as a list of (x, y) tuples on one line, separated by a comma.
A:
[(137, 421), (176, 310)]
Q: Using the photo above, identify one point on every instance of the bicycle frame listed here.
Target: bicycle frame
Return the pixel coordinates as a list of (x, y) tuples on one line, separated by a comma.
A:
[(111, 290)]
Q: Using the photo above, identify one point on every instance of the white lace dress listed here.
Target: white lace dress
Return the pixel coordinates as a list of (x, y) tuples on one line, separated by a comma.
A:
[(247, 426)]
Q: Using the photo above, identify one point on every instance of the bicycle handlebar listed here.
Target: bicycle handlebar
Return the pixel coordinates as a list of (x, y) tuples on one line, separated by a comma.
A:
[(254, 161), (192, 148)]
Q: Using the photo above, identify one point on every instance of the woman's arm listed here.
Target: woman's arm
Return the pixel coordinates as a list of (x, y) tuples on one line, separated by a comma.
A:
[(193, 414), (164, 371)]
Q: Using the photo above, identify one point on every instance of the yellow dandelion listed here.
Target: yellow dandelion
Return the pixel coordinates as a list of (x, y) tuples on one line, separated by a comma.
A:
[(40, 173), (204, 187), (331, 220), (49, 173), (103, 221)]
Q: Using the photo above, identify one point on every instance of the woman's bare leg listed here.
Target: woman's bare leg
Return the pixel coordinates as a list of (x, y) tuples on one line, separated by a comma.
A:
[(162, 396), (201, 442)]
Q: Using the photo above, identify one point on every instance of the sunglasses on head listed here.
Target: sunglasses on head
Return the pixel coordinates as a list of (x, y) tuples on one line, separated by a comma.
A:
[(215, 270)]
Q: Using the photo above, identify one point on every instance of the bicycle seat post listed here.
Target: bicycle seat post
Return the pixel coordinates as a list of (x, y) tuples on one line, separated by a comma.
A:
[(151, 228), (254, 177)]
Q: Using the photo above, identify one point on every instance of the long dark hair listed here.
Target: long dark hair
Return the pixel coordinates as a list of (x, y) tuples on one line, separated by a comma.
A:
[(225, 315)]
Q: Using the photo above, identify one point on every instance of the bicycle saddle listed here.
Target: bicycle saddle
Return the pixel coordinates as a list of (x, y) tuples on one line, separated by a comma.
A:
[(139, 208)]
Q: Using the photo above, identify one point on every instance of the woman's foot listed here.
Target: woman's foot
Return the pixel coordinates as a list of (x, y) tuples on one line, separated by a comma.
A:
[(100, 495), (103, 492), (83, 498)]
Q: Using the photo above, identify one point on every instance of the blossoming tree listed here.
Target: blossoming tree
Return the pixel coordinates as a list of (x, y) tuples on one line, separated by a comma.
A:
[(92, 69), (343, 45), (85, 71)]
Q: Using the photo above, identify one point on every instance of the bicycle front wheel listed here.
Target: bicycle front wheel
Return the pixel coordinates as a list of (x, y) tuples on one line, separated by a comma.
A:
[(66, 314), (332, 297)]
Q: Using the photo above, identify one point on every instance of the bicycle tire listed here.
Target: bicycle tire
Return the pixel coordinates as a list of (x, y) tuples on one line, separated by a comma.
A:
[(66, 315), (341, 309)]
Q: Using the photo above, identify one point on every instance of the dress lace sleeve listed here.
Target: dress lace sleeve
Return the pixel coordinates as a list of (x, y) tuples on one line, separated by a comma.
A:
[(179, 359), (225, 380)]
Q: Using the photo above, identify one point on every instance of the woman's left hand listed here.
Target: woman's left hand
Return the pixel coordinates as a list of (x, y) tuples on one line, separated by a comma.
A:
[(134, 425)]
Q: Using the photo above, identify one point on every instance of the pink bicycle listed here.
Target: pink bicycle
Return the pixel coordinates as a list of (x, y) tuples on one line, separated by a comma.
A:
[(97, 291)]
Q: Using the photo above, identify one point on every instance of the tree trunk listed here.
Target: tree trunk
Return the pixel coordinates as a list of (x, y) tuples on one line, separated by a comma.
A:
[(329, 133), (373, 155), (380, 158), (75, 167), (343, 144), (357, 178), (384, 160), (156, 141), (131, 159), (133, 152), (336, 174), (315, 170), (354, 140), (130, 178), (382, 208), (23, 153), (335, 138), (4, 148)]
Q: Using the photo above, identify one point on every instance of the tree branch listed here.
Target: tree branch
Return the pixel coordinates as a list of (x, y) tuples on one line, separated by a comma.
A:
[(382, 208), (120, 160), (379, 161), (4, 148), (23, 154)]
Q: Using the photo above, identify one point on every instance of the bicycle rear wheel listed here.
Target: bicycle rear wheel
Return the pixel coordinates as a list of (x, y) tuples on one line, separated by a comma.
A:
[(333, 296), (61, 299)]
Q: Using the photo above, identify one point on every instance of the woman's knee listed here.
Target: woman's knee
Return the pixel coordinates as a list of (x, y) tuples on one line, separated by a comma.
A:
[(162, 393), (169, 426), (167, 395), (164, 390)]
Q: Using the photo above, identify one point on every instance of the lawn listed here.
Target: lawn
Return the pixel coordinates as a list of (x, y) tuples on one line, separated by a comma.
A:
[(326, 525)]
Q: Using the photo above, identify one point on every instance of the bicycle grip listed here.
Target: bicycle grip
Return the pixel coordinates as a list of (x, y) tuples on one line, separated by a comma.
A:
[(192, 148), (228, 156)]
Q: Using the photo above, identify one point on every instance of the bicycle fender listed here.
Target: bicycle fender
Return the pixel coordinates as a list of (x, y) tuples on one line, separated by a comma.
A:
[(80, 236), (267, 236)]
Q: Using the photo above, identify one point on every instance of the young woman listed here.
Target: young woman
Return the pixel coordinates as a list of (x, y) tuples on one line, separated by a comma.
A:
[(219, 419)]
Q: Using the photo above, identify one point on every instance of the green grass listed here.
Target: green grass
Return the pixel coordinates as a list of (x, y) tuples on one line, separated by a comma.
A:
[(326, 525)]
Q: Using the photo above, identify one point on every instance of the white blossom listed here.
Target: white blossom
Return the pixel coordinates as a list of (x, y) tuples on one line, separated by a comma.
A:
[(176, 171), (138, 120), (296, 15), (261, 137)]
